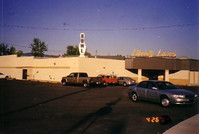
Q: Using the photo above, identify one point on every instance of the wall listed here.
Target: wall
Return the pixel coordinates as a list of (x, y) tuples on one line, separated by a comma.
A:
[(53, 69), (180, 77), (194, 78), (12, 65), (95, 66)]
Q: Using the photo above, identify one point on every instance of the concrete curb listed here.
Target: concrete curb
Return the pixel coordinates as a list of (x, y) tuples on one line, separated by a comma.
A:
[(189, 126)]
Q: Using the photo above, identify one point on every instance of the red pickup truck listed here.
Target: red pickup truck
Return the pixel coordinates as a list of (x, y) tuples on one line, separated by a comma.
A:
[(109, 79)]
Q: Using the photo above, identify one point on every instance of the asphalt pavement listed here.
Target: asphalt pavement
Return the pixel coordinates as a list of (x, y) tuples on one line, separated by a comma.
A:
[(43, 108)]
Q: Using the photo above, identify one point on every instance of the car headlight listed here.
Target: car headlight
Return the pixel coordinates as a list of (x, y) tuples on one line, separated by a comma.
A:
[(178, 96), (195, 95)]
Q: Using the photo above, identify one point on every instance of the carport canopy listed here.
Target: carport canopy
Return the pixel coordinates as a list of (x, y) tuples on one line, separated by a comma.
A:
[(162, 64), (153, 67)]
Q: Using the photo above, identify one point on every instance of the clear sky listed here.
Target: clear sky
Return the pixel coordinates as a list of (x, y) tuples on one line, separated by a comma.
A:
[(111, 26)]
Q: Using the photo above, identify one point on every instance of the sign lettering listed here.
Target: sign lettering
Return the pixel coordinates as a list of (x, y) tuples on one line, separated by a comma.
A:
[(151, 53)]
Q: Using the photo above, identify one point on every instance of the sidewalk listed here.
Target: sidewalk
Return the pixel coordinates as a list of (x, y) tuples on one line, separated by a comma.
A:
[(189, 126)]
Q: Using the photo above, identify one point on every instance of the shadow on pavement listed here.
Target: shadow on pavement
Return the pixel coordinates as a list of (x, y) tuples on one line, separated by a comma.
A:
[(43, 102), (93, 117)]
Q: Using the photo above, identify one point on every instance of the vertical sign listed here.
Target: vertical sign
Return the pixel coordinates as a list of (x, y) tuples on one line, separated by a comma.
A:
[(82, 45)]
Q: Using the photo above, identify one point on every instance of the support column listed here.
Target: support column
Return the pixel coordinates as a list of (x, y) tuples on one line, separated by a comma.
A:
[(166, 75), (139, 75)]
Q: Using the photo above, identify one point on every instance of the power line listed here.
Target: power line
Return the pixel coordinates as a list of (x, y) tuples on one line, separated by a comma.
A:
[(10, 44), (98, 29)]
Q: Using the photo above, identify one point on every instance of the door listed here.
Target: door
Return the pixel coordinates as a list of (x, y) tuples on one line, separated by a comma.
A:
[(152, 94), (141, 89), (24, 74), (74, 78)]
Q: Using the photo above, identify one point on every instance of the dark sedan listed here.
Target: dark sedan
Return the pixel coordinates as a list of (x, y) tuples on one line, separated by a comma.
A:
[(161, 91)]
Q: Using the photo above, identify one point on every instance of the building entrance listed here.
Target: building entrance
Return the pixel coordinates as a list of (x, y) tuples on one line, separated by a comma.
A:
[(24, 75), (153, 74)]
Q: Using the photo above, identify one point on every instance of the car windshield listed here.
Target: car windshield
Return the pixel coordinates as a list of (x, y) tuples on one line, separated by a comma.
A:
[(165, 85)]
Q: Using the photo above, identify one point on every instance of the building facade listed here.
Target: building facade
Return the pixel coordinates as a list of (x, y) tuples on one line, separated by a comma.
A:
[(180, 72)]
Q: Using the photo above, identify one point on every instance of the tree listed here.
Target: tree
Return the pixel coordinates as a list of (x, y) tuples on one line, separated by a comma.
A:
[(19, 53), (88, 54), (12, 50), (72, 50), (38, 47), (5, 50)]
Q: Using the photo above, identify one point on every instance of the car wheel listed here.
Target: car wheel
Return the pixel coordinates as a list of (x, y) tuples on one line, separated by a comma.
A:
[(85, 84), (165, 102), (63, 82), (6, 77), (124, 84), (134, 97), (104, 83)]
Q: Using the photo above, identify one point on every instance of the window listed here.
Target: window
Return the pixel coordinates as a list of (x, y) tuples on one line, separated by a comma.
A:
[(71, 75), (143, 84), (83, 75), (150, 85), (165, 85), (75, 74)]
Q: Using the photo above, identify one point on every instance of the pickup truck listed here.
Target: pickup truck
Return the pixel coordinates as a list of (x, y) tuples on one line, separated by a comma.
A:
[(81, 78), (109, 79)]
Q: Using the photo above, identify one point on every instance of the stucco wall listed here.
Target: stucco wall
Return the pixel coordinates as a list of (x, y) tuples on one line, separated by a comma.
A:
[(183, 74), (53, 69), (185, 77), (95, 66), (11, 65)]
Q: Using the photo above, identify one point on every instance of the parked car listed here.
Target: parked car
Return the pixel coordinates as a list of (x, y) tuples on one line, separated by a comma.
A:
[(126, 81), (4, 76), (161, 91), (109, 79), (81, 78)]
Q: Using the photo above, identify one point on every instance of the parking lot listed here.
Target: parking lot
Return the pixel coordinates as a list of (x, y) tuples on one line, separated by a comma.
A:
[(43, 108)]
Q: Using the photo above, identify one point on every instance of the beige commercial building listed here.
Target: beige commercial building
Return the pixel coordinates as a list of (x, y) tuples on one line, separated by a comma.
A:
[(53, 69)]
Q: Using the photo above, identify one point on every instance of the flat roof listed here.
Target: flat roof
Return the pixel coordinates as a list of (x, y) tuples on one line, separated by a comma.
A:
[(161, 64)]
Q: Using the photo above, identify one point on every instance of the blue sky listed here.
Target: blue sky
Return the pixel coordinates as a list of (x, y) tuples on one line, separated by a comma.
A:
[(109, 25)]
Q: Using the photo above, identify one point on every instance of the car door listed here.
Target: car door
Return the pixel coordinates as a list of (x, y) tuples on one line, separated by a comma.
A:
[(141, 89), (69, 78), (74, 78), (152, 92), (82, 77)]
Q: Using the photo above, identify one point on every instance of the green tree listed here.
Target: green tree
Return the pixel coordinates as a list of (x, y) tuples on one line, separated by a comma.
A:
[(19, 53), (72, 50), (12, 50), (38, 47), (5, 50), (88, 54)]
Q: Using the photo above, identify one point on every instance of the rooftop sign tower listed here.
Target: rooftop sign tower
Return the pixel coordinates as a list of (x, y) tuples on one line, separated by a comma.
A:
[(82, 45)]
